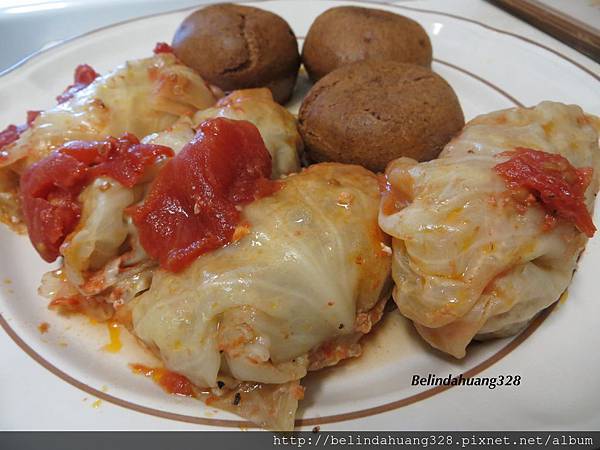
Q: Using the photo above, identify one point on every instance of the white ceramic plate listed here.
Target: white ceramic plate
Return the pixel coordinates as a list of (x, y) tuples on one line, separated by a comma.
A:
[(489, 69)]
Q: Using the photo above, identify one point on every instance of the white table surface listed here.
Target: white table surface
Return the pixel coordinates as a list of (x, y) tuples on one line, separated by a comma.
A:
[(34, 399)]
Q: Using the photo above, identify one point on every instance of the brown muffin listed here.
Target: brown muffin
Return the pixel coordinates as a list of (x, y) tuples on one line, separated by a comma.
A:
[(239, 47), (372, 112), (348, 34)]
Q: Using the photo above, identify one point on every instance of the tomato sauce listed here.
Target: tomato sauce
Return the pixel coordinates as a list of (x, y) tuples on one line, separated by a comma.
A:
[(193, 206), (43, 327), (97, 309), (171, 382), (50, 187), (551, 181)]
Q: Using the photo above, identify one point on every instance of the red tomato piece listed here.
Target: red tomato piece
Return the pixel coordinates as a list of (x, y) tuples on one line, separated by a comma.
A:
[(31, 116), (162, 47), (49, 192), (50, 187), (84, 76), (12, 132), (9, 135), (193, 205), (554, 183), (123, 159)]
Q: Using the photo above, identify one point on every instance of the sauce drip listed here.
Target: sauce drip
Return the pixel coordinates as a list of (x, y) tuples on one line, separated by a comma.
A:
[(114, 333), (194, 204), (550, 180), (50, 187), (171, 382)]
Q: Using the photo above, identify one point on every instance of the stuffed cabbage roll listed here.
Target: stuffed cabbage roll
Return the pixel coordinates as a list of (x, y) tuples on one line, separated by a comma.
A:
[(489, 234), (105, 248), (106, 233), (74, 206), (307, 278), (276, 124), (140, 97)]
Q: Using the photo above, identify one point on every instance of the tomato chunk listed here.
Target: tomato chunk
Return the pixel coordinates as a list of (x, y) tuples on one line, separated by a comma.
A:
[(553, 182), (84, 76), (123, 159), (12, 132), (162, 47), (193, 205), (50, 187)]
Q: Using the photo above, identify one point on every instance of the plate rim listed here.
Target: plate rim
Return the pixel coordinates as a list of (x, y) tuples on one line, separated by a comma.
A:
[(534, 324), (333, 418)]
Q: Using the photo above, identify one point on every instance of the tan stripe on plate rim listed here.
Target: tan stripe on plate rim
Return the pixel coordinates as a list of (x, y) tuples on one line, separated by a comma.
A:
[(299, 422)]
